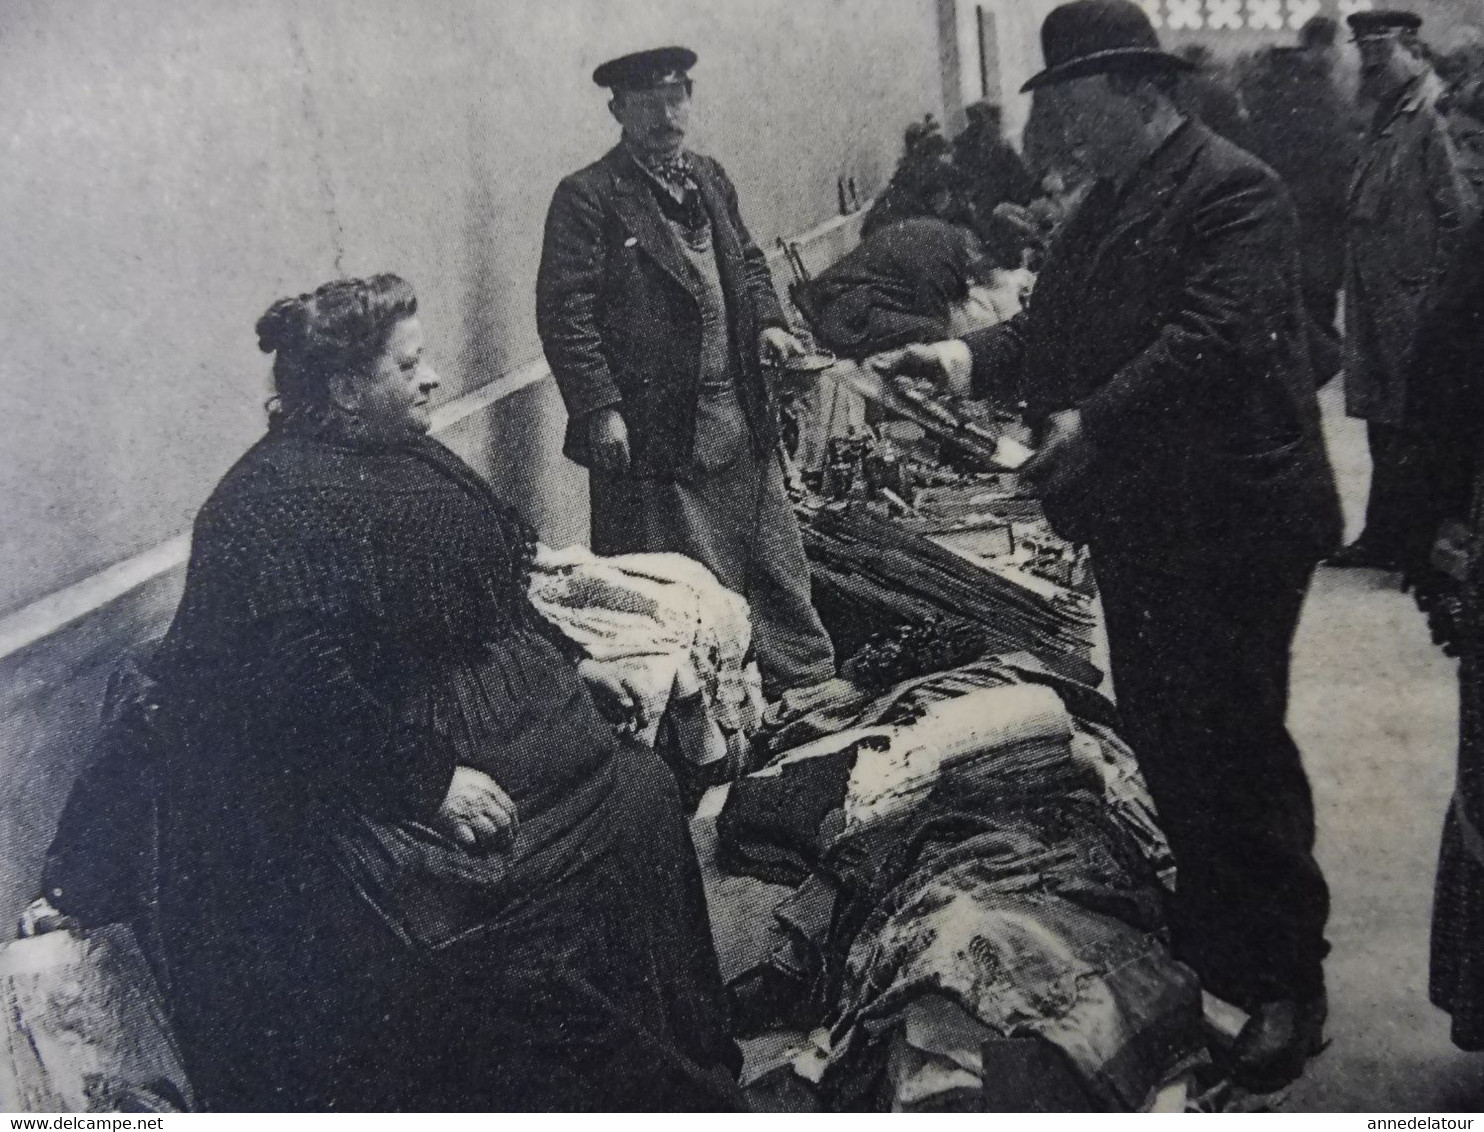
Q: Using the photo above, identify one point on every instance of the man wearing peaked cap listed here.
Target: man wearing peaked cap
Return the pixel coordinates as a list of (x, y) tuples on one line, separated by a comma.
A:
[(1408, 204), (1384, 22), (645, 70), (1163, 358), (654, 307)]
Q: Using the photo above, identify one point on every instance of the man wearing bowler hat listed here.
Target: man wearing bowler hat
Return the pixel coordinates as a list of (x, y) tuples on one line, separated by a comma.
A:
[(654, 307), (1164, 360)]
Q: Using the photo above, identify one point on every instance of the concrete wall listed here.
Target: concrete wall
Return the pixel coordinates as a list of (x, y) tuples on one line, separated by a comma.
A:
[(170, 168)]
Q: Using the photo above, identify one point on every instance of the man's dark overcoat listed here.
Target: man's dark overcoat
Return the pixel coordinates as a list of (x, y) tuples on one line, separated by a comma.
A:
[(618, 310), (1171, 314)]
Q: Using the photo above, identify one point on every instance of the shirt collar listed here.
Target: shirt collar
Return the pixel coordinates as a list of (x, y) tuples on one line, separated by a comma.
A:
[(673, 174)]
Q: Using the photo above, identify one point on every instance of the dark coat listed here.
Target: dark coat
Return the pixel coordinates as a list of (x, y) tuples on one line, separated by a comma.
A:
[(1448, 397), (1303, 127), (1170, 314), (898, 286), (1409, 204), (619, 312)]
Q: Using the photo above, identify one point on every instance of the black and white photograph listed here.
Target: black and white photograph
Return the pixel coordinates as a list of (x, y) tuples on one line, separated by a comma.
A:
[(787, 556)]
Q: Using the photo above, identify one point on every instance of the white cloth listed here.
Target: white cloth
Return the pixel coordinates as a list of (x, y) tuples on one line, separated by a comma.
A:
[(665, 622)]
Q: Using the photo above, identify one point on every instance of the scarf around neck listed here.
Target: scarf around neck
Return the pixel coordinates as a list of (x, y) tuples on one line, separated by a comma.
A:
[(678, 195)]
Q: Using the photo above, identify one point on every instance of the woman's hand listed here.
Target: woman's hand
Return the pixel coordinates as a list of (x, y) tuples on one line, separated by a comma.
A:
[(616, 695), (41, 916), (478, 813)]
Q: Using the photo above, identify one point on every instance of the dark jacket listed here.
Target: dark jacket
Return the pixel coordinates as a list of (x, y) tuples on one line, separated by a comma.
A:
[(898, 286), (1170, 314), (1448, 396), (618, 310)]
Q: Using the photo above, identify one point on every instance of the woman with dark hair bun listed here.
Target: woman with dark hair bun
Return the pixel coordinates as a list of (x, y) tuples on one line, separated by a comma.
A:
[(405, 862)]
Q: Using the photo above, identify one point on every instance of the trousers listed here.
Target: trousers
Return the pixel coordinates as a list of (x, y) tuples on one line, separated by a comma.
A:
[(1200, 667), (734, 517), (1398, 492)]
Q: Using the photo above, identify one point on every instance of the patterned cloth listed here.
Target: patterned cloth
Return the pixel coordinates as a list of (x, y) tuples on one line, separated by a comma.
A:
[(981, 848), (665, 619)]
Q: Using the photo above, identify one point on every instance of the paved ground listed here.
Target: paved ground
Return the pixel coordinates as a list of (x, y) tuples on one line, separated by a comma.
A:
[(1375, 709)]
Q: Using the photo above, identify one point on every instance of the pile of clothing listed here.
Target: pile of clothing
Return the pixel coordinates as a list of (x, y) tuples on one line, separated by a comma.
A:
[(681, 640), (976, 868)]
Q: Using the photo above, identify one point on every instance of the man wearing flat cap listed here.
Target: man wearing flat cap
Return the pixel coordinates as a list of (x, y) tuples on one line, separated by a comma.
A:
[(1164, 360), (654, 307), (1408, 205)]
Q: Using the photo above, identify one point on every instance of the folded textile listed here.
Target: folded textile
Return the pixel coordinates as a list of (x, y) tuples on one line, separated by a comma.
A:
[(889, 779), (966, 837), (83, 1027), (666, 621), (1039, 918)]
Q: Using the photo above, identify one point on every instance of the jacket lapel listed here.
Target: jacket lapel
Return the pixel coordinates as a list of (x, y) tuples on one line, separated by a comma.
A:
[(1385, 126), (1151, 191), (635, 204), (723, 236)]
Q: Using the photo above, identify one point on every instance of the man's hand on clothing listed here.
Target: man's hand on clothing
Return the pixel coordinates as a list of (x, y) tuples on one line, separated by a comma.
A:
[(948, 364), (778, 345), (1063, 455), (608, 441), (478, 813)]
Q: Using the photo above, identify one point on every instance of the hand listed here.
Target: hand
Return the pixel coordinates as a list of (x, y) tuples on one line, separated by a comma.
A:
[(618, 699), (41, 916), (949, 365), (478, 813), (778, 345), (608, 441), (1063, 455)]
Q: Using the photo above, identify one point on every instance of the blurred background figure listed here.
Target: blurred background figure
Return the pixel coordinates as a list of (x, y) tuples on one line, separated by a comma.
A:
[(1302, 125), (1210, 93), (1462, 104), (1408, 206), (995, 175), (926, 182), (899, 285)]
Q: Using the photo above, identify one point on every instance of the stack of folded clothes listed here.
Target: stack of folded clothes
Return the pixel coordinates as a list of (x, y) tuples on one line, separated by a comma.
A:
[(978, 871), (675, 632)]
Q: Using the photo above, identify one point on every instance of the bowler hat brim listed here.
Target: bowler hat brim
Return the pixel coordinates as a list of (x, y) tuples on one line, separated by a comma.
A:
[(1101, 62)]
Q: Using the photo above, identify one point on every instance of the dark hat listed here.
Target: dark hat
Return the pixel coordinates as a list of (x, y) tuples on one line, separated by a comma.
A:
[(643, 70), (1381, 23), (1090, 37)]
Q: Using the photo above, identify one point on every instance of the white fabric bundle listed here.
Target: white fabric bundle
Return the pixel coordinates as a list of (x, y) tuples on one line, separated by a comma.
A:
[(887, 781), (664, 620)]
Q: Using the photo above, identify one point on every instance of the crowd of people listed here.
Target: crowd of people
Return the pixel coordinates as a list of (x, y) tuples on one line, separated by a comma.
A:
[(389, 795)]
